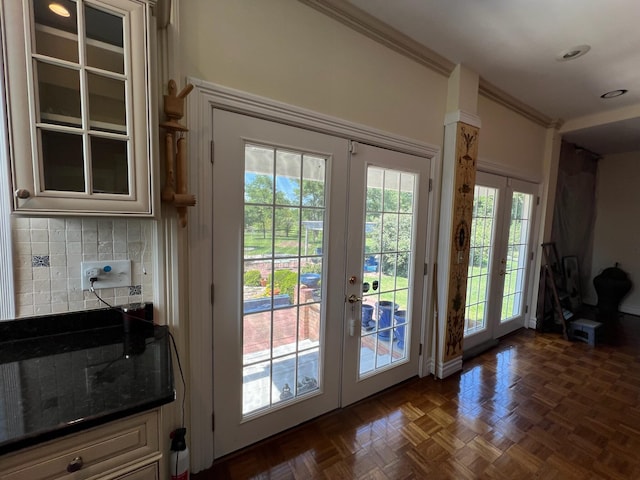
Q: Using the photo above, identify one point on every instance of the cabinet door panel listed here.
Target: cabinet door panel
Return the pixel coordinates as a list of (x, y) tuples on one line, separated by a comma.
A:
[(56, 29), (62, 161), (79, 106), (58, 95)]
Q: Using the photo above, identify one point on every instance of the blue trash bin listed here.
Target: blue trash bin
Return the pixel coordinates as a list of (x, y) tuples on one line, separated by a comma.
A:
[(400, 318), (367, 317), (386, 309)]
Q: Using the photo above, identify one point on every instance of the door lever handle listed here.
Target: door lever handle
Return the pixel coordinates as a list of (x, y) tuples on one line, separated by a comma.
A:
[(353, 298)]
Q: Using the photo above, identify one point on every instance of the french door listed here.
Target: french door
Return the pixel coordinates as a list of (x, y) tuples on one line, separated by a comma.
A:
[(301, 228), (387, 227), (500, 257)]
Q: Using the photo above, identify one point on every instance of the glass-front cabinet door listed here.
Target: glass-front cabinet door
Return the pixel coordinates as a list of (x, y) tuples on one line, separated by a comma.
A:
[(79, 123)]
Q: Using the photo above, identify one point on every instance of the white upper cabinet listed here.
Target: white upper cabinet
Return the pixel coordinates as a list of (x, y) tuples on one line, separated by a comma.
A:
[(80, 106)]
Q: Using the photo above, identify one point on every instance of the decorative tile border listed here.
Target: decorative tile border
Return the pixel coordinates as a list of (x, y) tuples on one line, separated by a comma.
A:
[(40, 261), (135, 290)]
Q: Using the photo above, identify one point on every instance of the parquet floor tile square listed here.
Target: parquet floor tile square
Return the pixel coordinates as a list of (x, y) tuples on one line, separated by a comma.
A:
[(535, 407)]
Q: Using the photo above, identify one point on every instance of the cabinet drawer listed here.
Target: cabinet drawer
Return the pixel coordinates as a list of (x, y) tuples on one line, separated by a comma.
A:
[(150, 472), (97, 451)]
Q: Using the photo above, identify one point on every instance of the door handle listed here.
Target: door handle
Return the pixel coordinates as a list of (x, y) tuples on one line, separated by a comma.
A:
[(75, 464), (353, 298)]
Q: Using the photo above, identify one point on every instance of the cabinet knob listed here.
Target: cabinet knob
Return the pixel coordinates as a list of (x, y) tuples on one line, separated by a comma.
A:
[(22, 193), (75, 465)]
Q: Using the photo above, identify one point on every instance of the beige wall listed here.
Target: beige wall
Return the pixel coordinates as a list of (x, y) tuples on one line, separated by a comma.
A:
[(511, 141), (617, 231), (287, 51)]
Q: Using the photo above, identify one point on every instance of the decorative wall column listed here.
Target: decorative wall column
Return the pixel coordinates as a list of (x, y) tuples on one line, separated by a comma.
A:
[(462, 128)]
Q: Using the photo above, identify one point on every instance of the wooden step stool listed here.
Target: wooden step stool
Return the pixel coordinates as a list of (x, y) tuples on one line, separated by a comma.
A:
[(584, 330)]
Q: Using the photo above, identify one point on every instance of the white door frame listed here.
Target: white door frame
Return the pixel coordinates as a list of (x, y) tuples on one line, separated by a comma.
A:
[(201, 102)]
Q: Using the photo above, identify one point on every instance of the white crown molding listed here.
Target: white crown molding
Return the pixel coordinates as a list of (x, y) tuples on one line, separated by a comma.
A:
[(368, 25), (464, 117), (449, 368), (371, 27), (492, 92)]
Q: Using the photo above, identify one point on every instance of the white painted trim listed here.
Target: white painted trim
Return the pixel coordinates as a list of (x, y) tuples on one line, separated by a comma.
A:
[(427, 365), (444, 244), (449, 368), (200, 104), (261, 107), (199, 119), (488, 166), (7, 289), (464, 117), (532, 323), (428, 368), (533, 282), (368, 25), (630, 309), (371, 27)]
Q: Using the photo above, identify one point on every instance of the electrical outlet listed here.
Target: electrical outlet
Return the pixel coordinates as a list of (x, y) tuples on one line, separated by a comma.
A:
[(108, 274)]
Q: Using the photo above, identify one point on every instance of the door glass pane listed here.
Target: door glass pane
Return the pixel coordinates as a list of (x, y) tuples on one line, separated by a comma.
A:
[(515, 265), (282, 281), (62, 161), (104, 45), (480, 255), (389, 240), (107, 110), (56, 29), (110, 166), (59, 94)]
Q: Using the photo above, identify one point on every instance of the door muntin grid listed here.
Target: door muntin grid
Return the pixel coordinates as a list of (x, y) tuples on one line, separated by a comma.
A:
[(516, 257), (282, 309), (390, 208), (480, 257)]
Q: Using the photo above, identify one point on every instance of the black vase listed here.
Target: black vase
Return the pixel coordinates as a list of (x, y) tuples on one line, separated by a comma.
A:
[(611, 286)]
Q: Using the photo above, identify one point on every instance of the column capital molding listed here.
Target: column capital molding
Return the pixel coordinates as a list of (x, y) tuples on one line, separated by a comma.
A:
[(462, 116)]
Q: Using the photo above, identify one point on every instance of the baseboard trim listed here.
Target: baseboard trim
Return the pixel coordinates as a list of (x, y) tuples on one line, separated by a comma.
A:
[(630, 309), (427, 368), (449, 368)]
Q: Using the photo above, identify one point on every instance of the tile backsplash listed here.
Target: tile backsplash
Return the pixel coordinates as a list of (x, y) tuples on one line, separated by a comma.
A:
[(47, 254)]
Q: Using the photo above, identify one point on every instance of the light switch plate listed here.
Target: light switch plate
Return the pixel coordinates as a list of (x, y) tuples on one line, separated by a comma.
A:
[(109, 274)]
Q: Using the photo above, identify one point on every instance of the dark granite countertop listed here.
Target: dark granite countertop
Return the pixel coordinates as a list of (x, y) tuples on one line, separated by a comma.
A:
[(65, 373)]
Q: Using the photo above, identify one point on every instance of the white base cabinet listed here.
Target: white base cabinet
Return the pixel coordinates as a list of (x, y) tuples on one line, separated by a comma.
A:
[(125, 449)]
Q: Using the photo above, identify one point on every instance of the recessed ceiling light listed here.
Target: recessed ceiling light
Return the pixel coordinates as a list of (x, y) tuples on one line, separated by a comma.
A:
[(59, 10), (614, 93), (572, 53)]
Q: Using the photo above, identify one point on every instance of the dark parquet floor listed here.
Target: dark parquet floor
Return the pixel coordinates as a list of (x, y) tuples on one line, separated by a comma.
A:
[(535, 407)]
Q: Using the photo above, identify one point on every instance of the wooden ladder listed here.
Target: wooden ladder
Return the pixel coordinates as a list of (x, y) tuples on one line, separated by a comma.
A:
[(553, 277)]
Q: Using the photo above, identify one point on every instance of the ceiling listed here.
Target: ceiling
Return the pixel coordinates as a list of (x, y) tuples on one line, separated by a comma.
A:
[(513, 45)]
